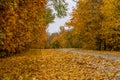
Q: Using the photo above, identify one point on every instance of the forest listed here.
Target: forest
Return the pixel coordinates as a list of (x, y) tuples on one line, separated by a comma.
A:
[(96, 25), (88, 50), (23, 25)]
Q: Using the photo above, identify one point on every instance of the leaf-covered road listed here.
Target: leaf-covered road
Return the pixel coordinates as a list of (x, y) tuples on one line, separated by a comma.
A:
[(105, 63), (59, 64), (106, 56)]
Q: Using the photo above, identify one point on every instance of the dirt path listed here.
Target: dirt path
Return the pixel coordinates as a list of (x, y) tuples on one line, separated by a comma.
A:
[(106, 56)]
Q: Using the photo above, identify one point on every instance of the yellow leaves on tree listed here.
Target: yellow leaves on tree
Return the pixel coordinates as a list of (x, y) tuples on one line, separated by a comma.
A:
[(22, 24), (96, 24), (86, 22), (110, 25)]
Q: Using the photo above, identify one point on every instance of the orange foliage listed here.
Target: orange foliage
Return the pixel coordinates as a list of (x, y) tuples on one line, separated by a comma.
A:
[(96, 24), (22, 24)]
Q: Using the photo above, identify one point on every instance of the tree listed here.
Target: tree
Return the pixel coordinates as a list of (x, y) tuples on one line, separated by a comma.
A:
[(64, 38), (60, 7), (110, 31), (49, 17), (21, 21), (87, 22), (96, 24)]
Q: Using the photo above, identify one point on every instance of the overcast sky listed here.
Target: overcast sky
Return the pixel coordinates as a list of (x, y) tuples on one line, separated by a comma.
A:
[(55, 27)]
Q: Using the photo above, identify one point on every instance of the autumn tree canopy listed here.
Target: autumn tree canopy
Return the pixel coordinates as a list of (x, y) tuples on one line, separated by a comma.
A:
[(21, 20), (96, 26), (23, 23)]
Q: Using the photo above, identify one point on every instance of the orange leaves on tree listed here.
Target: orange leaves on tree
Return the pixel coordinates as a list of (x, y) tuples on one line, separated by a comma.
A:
[(18, 27)]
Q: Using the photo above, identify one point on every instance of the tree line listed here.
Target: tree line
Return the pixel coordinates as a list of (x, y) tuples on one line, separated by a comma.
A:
[(96, 26), (23, 23)]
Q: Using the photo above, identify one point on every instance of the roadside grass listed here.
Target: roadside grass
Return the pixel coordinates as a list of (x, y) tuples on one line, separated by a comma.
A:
[(52, 64)]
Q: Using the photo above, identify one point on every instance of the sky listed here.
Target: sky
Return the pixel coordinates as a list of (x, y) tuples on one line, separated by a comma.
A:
[(55, 26)]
